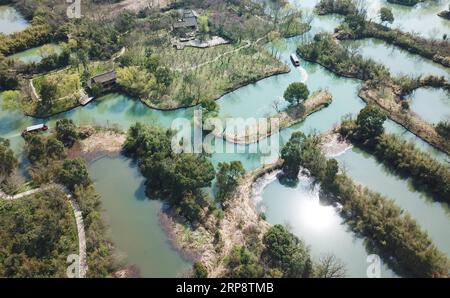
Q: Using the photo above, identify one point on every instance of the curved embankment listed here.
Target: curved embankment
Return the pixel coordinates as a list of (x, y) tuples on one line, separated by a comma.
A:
[(293, 115), (82, 264), (240, 215), (388, 99)]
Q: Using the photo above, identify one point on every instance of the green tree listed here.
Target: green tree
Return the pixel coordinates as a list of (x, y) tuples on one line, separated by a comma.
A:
[(291, 155), (152, 61), (242, 264), (74, 173), (228, 177), (8, 79), (386, 15), (199, 270), (35, 147), (178, 177), (48, 92), (210, 108), (164, 76), (11, 100), (8, 161), (331, 170), (97, 89), (192, 172), (37, 234), (66, 132), (203, 23), (443, 128), (136, 80), (55, 149), (370, 123), (296, 92), (287, 253)]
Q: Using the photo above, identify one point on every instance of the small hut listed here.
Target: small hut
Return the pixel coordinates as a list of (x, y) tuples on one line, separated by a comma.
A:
[(188, 23), (107, 80)]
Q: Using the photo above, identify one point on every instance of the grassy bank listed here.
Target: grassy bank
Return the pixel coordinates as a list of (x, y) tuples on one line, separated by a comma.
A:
[(328, 53), (187, 77), (388, 99)]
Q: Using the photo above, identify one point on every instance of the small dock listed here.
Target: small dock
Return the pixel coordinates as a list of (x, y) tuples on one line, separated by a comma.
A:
[(84, 98)]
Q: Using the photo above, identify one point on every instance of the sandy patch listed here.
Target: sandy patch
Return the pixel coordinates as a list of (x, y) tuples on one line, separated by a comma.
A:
[(103, 143)]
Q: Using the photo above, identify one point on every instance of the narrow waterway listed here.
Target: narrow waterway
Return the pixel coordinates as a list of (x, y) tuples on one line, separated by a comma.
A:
[(132, 218), (398, 61)]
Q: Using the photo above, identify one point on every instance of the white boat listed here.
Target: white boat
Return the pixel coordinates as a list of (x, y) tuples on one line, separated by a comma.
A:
[(295, 60), (37, 127)]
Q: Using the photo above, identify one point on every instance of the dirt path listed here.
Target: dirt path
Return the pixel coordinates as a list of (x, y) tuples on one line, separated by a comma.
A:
[(247, 45)]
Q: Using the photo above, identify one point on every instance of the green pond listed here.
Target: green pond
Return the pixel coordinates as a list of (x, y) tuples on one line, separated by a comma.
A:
[(133, 219), (36, 54)]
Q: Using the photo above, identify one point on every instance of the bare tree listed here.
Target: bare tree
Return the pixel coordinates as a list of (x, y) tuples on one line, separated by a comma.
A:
[(330, 267), (276, 104)]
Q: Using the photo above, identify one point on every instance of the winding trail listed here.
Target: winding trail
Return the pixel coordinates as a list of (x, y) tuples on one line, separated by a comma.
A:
[(82, 263)]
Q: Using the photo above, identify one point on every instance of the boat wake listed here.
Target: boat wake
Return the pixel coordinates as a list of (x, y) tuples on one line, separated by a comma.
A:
[(303, 74), (13, 136)]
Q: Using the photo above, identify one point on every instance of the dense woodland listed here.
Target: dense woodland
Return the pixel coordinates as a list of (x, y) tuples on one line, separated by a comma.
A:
[(38, 234), (50, 220)]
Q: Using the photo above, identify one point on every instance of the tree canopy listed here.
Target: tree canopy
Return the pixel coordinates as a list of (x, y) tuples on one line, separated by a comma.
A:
[(370, 123), (287, 253), (386, 15), (176, 177), (296, 92), (66, 132), (8, 162), (228, 177), (74, 173)]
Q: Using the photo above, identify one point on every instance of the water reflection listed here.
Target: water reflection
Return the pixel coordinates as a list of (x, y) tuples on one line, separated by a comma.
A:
[(318, 224)]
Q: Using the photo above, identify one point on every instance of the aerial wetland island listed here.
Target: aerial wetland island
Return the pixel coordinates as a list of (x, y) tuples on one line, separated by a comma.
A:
[(225, 138)]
